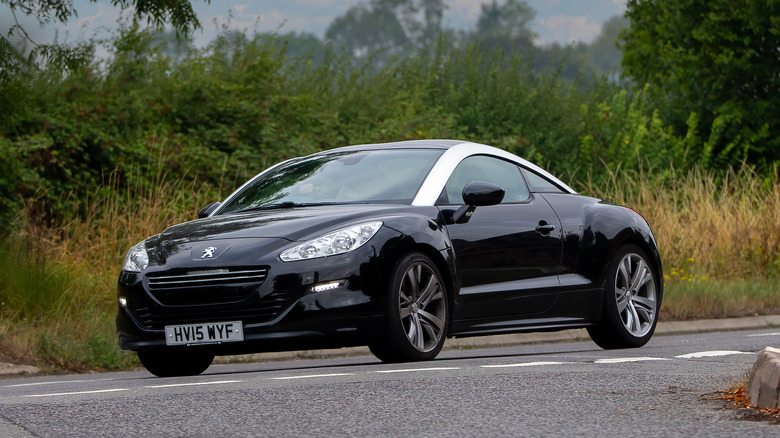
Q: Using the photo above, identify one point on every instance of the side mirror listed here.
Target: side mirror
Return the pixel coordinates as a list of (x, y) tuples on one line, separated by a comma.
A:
[(477, 194), (207, 210), (481, 194)]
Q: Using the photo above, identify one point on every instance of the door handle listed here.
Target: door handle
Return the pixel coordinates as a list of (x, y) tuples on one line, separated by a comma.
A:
[(544, 228)]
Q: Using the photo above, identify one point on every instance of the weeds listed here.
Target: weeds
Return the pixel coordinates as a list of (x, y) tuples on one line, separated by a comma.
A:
[(57, 292), (58, 284)]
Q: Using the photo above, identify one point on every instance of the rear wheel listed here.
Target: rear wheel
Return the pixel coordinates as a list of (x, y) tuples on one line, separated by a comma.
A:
[(167, 363), (416, 314), (632, 298)]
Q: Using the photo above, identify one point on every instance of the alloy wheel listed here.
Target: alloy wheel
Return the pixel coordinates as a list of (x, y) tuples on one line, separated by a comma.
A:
[(423, 309), (635, 294)]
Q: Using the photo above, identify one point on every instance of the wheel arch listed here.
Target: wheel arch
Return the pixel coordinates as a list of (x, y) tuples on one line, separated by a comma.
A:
[(443, 259), (608, 229)]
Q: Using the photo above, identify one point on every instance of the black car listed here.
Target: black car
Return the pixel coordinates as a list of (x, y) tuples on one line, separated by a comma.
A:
[(396, 246)]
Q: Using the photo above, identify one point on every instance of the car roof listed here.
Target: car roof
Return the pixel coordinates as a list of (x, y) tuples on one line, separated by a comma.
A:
[(455, 150)]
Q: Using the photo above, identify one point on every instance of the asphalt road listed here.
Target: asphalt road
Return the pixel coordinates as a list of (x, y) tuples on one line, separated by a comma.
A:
[(563, 389)]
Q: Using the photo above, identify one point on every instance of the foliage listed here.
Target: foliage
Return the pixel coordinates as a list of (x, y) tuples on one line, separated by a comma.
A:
[(505, 26), (244, 103), (716, 60), (380, 31), (99, 156), (13, 45), (386, 29)]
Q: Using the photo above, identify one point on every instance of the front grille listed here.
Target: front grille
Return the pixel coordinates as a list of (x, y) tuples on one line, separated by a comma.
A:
[(218, 286), (256, 311)]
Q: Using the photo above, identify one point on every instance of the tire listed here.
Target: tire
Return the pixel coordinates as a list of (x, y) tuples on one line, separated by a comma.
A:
[(167, 363), (416, 314), (632, 299)]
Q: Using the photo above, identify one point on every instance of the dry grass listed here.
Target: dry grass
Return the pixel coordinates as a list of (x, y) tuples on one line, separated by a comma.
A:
[(58, 288), (707, 225), (719, 239)]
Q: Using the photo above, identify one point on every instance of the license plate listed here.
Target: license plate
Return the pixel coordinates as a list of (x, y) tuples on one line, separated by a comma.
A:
[(208, 333)]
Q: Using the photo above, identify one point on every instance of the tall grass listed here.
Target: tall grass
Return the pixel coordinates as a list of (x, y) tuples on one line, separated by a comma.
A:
[(58, 283), (177, 134), (718, 233)]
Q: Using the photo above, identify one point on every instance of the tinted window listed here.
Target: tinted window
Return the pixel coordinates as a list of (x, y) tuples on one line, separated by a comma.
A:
[(540, 184), (343, 177), (487, 169)]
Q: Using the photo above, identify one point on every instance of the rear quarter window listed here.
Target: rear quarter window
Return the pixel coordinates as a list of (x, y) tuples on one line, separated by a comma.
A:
[(539, 184)]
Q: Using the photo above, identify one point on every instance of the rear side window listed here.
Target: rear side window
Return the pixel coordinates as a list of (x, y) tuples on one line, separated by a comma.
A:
[(540, 184), (488, 169)]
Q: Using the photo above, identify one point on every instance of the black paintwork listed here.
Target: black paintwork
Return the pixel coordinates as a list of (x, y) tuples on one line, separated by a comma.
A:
[(536, 265)]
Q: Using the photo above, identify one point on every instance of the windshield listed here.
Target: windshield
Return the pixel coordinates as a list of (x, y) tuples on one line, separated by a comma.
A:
[(385, 175)]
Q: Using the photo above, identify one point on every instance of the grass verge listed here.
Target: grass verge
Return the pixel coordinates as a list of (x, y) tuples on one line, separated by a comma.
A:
[(719, 237)]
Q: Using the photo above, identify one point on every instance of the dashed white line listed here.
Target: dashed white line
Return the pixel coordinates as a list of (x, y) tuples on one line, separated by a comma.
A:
[(77, 393), (763, 334), (714, 353), (19, 385), (628, 359), (312, 376), (414, 370), (523, 364), (176, 385), (697, 355)]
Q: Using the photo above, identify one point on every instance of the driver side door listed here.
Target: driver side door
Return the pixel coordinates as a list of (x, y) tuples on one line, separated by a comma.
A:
[(507, 255)]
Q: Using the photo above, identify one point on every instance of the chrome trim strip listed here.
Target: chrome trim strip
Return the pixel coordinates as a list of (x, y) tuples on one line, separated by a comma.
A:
[(167, 284), (213, 275)]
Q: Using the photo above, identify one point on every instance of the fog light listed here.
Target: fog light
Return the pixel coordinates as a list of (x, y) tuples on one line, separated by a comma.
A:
[(123, 302), (327, 286)]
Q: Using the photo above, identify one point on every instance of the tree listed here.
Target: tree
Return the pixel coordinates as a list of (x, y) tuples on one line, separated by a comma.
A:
[(712, 66), (506, 26), (178, 13), (603, 53), (394, 27)]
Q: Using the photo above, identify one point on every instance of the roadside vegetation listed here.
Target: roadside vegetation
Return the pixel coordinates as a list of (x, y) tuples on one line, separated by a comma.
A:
[(96, 156)]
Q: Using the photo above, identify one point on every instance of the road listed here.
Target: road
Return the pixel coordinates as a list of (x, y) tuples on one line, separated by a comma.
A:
[(564, 389)]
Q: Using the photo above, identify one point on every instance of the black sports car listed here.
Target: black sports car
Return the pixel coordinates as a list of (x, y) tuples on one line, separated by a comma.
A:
[(396, 246)]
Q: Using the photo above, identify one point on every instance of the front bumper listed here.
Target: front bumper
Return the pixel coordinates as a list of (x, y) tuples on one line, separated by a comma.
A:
[(283, 313)]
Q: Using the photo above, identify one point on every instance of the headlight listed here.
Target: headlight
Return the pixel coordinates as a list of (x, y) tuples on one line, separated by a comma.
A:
[(338, 242), (136, 259)]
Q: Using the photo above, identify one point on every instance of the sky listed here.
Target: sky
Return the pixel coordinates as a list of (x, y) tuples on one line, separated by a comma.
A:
[(561, 21)]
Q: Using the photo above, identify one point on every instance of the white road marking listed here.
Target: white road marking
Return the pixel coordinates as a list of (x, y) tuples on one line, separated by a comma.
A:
[(414, 370), (77, 393), (523, 364), (312, 376), (714, 353), (629, 359), (18, 385), (175, 385), (763, 334)]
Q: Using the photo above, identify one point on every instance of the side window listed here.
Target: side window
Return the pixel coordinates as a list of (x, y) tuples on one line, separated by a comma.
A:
[(488, 169), (540, 184)]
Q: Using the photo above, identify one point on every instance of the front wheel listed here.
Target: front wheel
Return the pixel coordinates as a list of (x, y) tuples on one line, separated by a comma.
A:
[(166, 363), (416, 312), (632, 298)]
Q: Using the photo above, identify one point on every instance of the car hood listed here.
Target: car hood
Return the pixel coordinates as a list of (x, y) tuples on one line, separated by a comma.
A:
[(292, 224)]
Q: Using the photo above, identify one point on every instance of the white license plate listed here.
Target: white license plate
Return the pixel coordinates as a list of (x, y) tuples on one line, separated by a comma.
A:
[(207, 333)]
